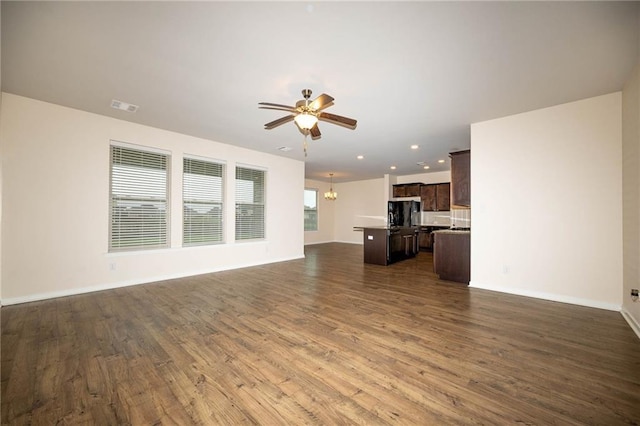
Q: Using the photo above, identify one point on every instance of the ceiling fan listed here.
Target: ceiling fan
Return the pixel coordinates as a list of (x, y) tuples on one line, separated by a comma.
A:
[(307, 113)]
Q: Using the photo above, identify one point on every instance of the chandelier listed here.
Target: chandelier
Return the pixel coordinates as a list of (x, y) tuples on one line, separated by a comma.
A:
[(331, 194)]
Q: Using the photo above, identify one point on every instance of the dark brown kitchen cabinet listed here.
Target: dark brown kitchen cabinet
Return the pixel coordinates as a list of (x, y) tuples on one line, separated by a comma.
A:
[(376, 242), (424, 239), (383, 246), (435, 197), (428, 198), (443, 192), (406, 190), (461, 178), (425, 236), (413, 189), (452, 255), (399, 191)]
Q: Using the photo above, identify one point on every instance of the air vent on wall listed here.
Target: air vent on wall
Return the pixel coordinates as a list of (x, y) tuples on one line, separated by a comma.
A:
[(124, 106)]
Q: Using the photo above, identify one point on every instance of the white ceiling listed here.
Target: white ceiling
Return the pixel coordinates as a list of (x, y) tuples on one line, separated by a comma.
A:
[(409, 72)]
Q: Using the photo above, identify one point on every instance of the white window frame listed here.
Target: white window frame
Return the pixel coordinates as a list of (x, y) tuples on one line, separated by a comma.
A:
[(250, 214), (134, 189), (201, 191), (315, 209)]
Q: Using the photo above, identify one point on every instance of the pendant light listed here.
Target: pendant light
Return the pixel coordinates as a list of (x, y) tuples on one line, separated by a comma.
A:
[(331, 195)]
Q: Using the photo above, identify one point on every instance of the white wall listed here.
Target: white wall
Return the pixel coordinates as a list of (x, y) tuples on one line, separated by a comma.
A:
[(631, 196), (434, 177), (55, 162), (1, 185), (326, 215), (547, 203), (360, 203), (0, 169)]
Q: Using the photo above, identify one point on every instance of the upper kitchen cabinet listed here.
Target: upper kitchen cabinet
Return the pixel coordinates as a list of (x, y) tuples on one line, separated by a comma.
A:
[(461, 178), (435, 197), (443, 192), (428, 198), (406, 190)]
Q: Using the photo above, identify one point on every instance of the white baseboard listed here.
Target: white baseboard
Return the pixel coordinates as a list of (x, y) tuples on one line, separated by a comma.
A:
[(549, 296), (633, 323), (360, 243), (110, 286), (318, 242), (335, 241)]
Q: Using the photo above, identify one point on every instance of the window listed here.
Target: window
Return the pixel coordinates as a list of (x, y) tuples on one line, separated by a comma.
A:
[(310, 209), (249, 203), (139, 208), (202, 202)]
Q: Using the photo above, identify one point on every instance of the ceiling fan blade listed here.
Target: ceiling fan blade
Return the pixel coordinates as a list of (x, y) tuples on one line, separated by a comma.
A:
[(278, 109), (278, 122), (338, 119), (285, 107), (321, 102), (315, 132)]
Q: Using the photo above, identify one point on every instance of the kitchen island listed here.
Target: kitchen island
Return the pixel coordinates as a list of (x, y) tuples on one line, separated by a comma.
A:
[(384, 245), (452, 255)]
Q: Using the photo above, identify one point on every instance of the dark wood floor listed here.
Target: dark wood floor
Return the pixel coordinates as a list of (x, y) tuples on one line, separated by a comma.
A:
[(324, 340)]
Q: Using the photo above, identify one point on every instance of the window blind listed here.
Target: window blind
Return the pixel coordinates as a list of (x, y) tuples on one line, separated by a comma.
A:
[(250, 203), (310, 209), (139, 208), (202, 184)]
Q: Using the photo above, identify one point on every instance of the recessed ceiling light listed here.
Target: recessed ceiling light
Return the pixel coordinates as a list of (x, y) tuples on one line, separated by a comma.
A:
[(392, 167), (360, 157), (440, 161), (420, 163), (414, 147), (124, 106), (425, 167)]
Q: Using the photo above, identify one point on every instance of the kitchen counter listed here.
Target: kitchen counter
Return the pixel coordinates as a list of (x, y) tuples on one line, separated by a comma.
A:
[(388, 228), (452, 231)]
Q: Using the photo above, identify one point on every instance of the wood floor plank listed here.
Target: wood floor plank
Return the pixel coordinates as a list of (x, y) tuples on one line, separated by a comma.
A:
[(321, 340)]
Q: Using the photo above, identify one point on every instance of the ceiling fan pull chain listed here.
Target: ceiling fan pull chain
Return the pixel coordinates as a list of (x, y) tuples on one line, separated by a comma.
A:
[(305, 144)]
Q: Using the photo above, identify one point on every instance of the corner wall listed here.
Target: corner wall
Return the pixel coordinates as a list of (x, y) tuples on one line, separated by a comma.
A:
[(547, 203), (55, 164), (0, 161), (360, 203), (631, 196)]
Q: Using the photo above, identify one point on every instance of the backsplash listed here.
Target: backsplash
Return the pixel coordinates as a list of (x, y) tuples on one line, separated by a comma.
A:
[(435, 218), (459, 218)]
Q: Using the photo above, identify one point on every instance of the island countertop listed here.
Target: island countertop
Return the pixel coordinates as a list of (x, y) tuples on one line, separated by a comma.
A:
[(388, 228), (452, 231)]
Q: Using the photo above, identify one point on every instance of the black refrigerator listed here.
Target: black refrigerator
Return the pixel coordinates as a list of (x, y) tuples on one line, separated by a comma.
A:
[(404, 213)]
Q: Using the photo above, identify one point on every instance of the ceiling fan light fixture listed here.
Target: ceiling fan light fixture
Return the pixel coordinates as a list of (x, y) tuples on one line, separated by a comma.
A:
[(306, 120), (306, 114)]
